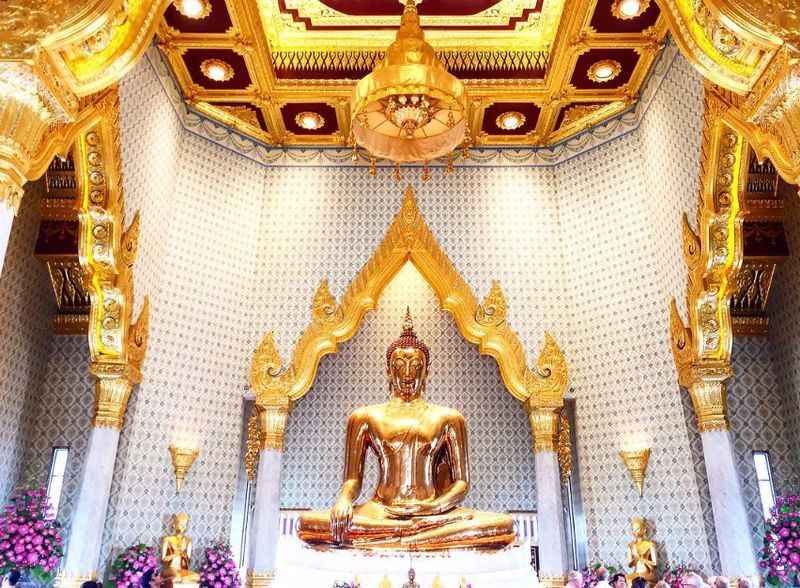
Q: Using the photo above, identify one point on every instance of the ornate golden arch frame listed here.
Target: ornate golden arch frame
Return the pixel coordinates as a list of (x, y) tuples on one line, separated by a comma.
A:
[(408, 240)]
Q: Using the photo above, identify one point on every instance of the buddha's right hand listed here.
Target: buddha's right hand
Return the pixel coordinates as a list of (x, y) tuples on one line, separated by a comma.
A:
[(341, 517)]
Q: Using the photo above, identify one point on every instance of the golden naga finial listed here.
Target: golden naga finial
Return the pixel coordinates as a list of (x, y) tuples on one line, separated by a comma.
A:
[(492, 312), (323, 306), (266, 364), (548, 382)]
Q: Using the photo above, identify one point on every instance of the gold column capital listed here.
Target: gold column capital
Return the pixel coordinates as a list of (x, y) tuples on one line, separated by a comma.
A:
[(273, 414), (112, 391), (709, 393), (544, 426)]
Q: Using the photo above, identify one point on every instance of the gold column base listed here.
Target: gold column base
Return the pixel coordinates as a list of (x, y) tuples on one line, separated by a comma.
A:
[(552, 581), (63, 581), (259, 579)]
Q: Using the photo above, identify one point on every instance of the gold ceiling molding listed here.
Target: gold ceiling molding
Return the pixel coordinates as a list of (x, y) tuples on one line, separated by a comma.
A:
[(323, 28), (730, 48), (107, 252), (409, 240), (312, 51), (713, 255), (87, 45), (752, 49)]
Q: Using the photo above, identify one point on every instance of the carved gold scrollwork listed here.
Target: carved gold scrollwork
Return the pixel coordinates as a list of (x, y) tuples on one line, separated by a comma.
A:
[(253, 447), (564, 448), (702, 348), (107, 253), (409, 239)]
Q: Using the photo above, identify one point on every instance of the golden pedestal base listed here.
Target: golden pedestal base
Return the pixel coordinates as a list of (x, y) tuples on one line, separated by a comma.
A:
[(63, 581), (552, 581), (259, 580)]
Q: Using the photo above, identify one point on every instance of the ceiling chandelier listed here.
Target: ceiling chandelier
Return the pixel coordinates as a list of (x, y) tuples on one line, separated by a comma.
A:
[(409, 108)]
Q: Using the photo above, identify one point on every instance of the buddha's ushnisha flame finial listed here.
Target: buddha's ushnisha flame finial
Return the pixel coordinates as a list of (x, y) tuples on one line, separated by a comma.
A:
[(408, 338), (408, 322)]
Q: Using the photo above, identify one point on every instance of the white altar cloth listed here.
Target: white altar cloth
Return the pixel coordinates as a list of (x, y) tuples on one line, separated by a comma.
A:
[(302, 566)]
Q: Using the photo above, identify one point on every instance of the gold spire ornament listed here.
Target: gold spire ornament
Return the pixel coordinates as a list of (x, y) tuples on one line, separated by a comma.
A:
[(182, 460), (636, 462), (409, 108)]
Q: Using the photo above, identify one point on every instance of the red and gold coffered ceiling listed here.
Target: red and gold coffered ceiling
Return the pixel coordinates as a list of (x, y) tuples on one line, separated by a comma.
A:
[(532, 57)]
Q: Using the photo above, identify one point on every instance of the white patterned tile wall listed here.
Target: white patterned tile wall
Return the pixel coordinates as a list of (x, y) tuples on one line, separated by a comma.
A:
[(197, 354), (785, 318), (623, 261), (493, 223), (61, 416), (26, 308), (759, 421), (501, 455)]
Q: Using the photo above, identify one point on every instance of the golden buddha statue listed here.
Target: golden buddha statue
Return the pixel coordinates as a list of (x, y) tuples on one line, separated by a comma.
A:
[(642, 555), (412, 577), (422, 457), (176, 552)]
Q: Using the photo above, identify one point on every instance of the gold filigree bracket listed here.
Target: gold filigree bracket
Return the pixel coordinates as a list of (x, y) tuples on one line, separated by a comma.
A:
[(409, 239)]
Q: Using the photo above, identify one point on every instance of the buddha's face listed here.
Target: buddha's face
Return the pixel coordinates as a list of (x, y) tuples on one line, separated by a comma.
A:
[(180, 523), (408, 370), (639, 528)]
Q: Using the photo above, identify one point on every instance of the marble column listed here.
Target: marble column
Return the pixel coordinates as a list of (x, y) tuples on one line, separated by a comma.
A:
[(553, 558), (6, 220), (265, 529), (736, 553), (89, 516)]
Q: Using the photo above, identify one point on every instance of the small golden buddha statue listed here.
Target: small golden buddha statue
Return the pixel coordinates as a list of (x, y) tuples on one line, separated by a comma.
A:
[(412, 575), (642, 555), (424, 472), (176, 552)]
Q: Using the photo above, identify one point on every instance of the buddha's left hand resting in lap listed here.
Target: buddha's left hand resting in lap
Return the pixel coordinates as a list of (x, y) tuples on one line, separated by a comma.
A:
[(422, 456)]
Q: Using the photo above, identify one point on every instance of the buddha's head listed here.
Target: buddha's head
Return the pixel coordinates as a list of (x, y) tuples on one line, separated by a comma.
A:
[(639, 527), (407, 361), (180, 522)]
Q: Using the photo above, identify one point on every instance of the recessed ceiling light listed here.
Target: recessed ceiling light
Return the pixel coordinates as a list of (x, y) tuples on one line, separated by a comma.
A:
[(193, 8), (629, 9), (510, 120), (217, 70), (604, 70), (310, 121)]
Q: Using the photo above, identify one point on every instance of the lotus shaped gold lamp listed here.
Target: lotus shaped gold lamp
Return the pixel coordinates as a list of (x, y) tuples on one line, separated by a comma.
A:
[(636, 462), (182, 460)]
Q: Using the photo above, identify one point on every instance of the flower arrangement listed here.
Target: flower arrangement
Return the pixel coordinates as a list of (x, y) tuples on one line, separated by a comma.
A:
[(591, 574), (780, 558), (673, 573), (219, 569), (132, 565), (30, 537)]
